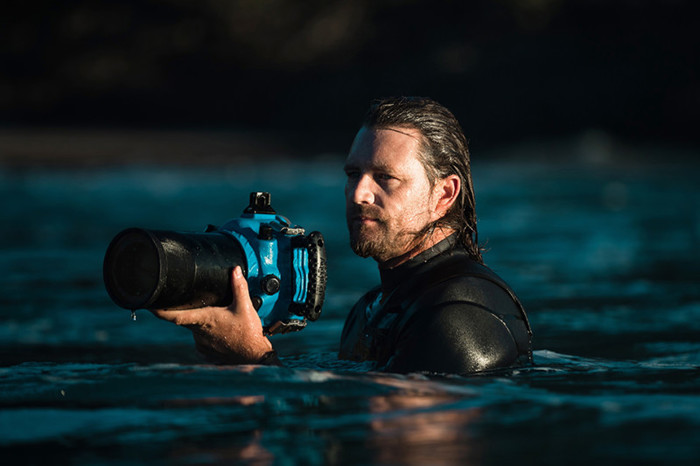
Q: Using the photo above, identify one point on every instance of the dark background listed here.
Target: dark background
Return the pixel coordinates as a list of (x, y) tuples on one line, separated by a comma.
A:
[(510, 70)]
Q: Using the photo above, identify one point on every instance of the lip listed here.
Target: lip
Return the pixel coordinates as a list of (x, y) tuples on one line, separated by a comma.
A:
[(360, 221)]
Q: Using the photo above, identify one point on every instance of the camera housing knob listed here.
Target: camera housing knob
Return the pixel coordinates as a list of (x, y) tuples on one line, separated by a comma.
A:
[(270, 284)]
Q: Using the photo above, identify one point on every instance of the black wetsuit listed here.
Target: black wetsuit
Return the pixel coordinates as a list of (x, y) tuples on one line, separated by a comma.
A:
[(439, 312)]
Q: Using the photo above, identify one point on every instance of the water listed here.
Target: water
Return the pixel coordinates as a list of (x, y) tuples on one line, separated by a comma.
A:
[(603, 252)]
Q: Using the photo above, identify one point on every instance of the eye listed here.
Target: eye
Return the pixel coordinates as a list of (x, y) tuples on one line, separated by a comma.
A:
[(384, 177), (352, 172)]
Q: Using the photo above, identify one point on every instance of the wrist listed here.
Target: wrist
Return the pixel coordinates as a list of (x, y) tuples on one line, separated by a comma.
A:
[(270, 359)]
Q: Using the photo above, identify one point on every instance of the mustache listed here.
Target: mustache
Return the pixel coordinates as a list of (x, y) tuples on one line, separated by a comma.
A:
[(368, 211)]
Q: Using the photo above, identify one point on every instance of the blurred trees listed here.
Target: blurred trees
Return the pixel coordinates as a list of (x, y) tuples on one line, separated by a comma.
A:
[(510, 69)]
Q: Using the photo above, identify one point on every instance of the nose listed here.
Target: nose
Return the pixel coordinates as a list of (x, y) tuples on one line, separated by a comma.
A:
[(359, 190)]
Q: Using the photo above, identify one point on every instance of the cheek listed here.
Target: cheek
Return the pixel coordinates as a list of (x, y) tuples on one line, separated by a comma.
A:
[(418, 197), (417, 206)]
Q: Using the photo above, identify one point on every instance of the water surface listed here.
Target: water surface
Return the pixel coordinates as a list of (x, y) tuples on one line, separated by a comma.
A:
[(603, 253)]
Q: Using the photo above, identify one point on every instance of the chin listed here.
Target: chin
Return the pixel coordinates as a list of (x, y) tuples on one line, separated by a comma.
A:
[(365, 248)]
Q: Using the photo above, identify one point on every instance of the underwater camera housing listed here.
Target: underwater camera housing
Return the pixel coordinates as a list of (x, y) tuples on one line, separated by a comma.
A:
[(285, 269)]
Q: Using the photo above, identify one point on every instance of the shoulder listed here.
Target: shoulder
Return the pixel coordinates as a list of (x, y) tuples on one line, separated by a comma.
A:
[(354, 325), (457, 338), (365, 300), (358, 310), (455, 277), (460, 317)]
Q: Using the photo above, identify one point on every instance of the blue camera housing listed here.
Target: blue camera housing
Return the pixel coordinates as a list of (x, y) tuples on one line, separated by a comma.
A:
[(285, 270)]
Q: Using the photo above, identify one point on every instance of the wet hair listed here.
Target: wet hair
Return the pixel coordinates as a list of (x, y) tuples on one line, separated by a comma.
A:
[(444, 152)]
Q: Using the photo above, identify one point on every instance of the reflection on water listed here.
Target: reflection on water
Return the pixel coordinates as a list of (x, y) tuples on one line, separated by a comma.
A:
[(603, 255), (565, 407), (421, 429)]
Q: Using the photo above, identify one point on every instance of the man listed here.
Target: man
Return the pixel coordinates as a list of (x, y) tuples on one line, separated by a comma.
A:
[(410, 206)]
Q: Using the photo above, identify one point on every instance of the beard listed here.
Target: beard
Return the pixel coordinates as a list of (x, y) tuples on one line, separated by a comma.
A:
[(381, 239), (369, 242)]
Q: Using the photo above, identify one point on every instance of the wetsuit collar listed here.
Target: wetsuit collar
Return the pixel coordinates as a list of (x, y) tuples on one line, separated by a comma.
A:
[(392, 278)]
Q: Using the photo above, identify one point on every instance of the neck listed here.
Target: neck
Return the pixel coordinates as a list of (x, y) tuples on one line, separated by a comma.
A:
[(417, 247)]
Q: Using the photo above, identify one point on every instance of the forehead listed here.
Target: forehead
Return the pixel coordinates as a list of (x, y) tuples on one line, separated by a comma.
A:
[(386, 148)]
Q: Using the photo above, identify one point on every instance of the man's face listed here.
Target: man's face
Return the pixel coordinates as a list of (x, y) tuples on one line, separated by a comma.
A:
[(388, 198)]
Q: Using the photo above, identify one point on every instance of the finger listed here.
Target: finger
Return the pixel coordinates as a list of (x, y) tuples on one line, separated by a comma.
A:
[(239, 285), (184, 318)]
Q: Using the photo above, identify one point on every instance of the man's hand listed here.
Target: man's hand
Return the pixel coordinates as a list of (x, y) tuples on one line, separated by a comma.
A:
[(229, 335)]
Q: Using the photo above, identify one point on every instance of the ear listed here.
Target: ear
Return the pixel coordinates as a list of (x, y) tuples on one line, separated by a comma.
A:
[(445, 194)]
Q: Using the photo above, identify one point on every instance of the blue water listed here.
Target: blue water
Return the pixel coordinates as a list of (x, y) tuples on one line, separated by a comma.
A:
[(603, 250)]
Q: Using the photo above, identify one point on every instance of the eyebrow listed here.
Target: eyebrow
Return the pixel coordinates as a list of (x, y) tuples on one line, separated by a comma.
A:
[(375, 166)]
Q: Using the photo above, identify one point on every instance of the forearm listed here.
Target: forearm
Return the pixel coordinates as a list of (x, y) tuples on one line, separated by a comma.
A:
[(270, 359)]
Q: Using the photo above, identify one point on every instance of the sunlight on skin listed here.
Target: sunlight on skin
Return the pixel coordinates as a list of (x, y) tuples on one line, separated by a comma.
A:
[(389, 198)]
